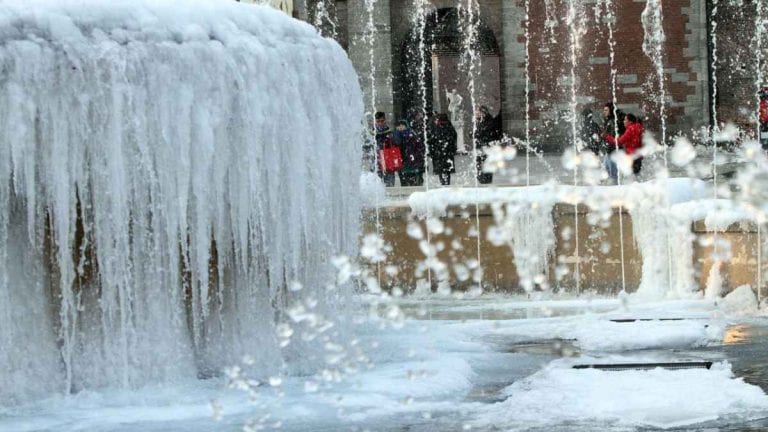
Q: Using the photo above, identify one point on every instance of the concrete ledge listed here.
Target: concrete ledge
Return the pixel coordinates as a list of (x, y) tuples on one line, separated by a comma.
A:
[(599, 251)]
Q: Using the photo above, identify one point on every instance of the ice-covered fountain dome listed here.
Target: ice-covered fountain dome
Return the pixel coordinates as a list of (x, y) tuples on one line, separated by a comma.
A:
[(167, 169)]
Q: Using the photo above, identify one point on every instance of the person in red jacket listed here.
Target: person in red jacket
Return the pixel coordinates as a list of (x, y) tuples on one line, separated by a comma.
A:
[(630, 141)]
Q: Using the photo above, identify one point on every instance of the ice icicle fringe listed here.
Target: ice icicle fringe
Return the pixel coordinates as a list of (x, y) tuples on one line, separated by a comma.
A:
[(529, 229), (166, 168), (654, 224)]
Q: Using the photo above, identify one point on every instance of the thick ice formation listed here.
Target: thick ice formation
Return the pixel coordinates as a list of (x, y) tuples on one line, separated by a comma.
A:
[(661, 218), (166, 168), (522, 220)]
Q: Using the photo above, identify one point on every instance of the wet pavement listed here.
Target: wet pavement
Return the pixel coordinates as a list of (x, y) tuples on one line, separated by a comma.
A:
[(745, 346)]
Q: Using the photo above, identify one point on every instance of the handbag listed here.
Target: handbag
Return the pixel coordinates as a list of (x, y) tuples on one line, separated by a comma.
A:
[(390, 158)]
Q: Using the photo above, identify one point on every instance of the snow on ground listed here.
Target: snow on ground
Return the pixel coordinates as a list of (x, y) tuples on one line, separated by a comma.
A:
[(429, 372), (657, 397)]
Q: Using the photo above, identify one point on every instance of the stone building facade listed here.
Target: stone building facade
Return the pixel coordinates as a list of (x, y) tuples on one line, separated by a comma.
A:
[(561, 58)]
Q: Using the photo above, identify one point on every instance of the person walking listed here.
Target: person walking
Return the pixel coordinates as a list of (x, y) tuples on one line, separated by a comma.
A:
[(630, 141), (590, 131), (383, 135), (412, 148), (442, 148), (612, 118), (487, 133)]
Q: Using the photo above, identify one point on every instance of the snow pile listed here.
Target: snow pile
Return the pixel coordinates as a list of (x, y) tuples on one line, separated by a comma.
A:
[(600, 335), (657, 397), (135, 136), (741, 301)]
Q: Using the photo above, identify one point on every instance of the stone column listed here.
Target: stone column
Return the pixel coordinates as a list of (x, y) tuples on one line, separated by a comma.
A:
[(300, 9), (513, 67), (375, 81), (697, 107)]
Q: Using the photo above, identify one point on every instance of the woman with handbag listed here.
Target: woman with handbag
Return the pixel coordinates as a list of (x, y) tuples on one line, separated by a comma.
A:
[(412, 149), (384, 151)]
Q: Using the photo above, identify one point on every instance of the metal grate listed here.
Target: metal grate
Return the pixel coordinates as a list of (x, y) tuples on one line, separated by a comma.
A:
[(646, 366)]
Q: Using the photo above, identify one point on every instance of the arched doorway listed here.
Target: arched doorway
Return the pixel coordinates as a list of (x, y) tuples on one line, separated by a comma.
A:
[(443, 52)]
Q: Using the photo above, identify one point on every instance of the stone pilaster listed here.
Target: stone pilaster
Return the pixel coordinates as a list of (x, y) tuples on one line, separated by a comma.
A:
[(513, 66), (301, 10), (368, 42), (404, 20), (697, 106)]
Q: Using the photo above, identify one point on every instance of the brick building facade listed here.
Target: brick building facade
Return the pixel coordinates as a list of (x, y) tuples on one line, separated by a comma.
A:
[(376, 39)]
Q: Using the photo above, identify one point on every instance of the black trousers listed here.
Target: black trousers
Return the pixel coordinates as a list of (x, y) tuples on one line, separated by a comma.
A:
[(482, 177), (411, 179)]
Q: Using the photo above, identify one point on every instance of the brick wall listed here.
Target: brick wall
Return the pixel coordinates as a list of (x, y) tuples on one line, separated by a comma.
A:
[(686, 60), (736, 66), (637, 86)]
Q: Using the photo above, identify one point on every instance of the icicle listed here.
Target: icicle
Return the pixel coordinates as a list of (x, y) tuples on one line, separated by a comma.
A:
[(528, 228), (127, 153)]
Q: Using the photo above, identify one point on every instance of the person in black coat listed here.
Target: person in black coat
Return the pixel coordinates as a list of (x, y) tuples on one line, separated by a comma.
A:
[(442, 148), (612, 118), (487, 133), (590, 131)]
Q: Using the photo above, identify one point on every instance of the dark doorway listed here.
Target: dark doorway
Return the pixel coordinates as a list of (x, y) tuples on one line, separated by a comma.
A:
[(442, 46)]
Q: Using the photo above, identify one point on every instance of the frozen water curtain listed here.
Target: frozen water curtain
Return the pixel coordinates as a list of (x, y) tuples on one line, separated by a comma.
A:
[(167, 170)]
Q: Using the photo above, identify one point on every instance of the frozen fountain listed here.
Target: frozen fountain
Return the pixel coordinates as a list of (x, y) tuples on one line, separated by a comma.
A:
[(173, 174), (182, 199)]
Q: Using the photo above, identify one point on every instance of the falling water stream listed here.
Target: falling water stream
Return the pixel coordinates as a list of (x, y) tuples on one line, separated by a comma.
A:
[(610, 17), (527, 92), (421, 24), (715, 126), (324, 20), (575, 33), (761, 18), (471, 61), (653, 47), (369, 37)]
